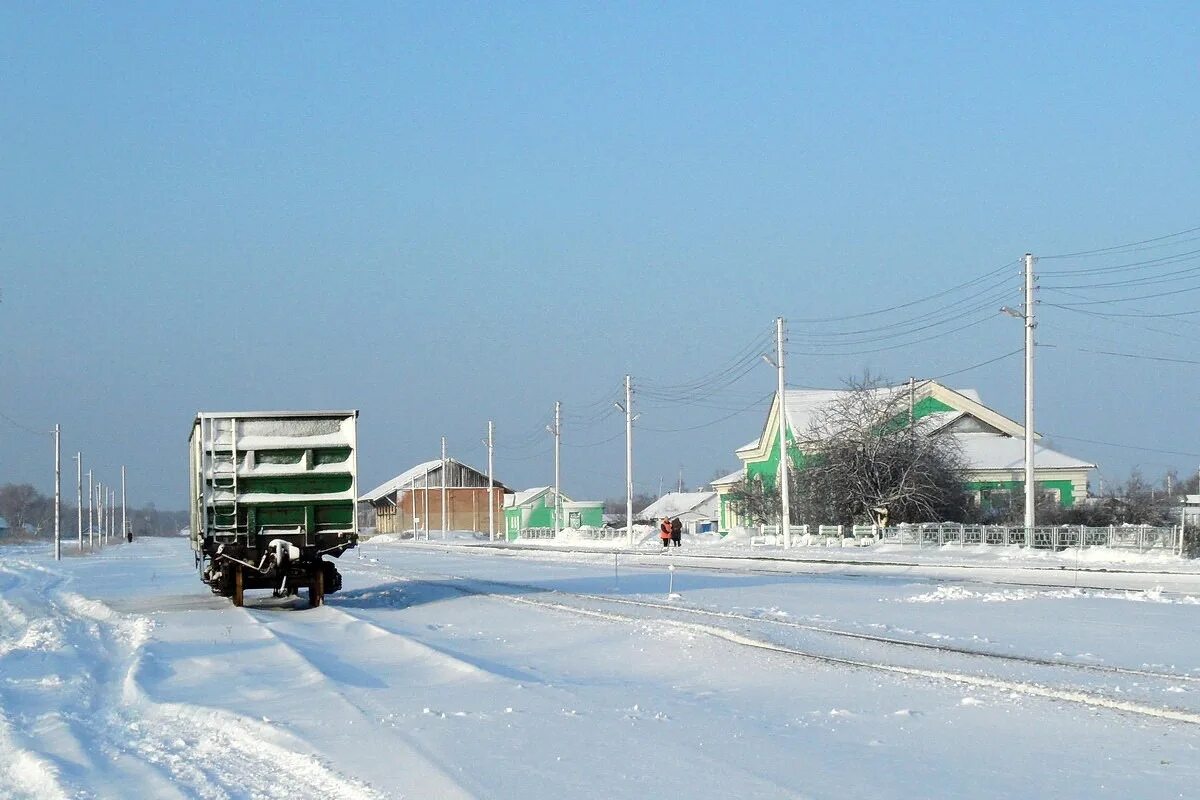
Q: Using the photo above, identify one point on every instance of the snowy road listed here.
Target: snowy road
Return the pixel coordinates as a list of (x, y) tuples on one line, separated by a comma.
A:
[(456, 672)]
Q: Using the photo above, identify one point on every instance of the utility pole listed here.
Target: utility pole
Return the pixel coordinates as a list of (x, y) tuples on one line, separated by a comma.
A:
[(628, 409), (57, 494), (785, 522), (91, 504), (1030, 486), (79, 498), (412, 499), (491, 445), (912, 401), (101, 503), (124, 529), (112, 511), (443, 487), (555, 430)]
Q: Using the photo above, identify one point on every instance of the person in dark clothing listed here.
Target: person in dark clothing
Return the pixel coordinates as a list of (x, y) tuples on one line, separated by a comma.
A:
[(664, 531), (677, 532)]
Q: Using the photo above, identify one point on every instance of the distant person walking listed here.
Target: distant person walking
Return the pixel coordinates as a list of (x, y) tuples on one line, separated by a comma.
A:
[(677, 532), (664, 531)]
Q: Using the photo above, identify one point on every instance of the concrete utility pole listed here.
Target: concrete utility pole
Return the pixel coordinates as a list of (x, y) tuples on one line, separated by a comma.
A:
[(101, 504), (57, 494), (412, 499), (112, 511), (79, 498), (1030, 485), (491, 446), (556, 431), (443, 487), (628, 409), (124, 523), (786, 514), (91, 504)]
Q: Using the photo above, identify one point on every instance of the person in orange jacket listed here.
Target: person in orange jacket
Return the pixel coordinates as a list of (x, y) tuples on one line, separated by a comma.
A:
[(664, 531)]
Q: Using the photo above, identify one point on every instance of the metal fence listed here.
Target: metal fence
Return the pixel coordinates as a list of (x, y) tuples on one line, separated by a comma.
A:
[(1142, 538), (586, 532)]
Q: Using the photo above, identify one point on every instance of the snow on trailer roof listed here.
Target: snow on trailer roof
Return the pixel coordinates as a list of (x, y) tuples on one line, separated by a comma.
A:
[(216, 415)]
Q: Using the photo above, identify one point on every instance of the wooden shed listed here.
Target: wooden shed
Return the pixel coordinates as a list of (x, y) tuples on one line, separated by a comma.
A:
[(412, 501)]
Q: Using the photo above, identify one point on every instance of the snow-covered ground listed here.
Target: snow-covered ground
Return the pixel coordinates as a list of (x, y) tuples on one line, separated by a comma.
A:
[(444, 670)]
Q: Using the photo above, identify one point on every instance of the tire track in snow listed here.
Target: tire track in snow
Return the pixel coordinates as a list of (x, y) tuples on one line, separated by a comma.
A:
[(1071, 694), (832, 632), (323, 662), (88, 730)]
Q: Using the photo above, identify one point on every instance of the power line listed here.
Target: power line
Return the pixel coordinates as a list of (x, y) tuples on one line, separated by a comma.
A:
[(943, 293), (1125, 246), (711, 422), (1135, 298), (1142, 314), (25, 428), (980, 364), (922, 340), (1138, 356), (1122, 446)]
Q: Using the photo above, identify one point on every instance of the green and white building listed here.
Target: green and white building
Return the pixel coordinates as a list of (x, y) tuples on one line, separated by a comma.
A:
[(992, 445), (534, 508)]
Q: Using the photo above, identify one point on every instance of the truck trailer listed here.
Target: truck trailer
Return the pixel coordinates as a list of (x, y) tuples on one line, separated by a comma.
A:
[(273, 493)]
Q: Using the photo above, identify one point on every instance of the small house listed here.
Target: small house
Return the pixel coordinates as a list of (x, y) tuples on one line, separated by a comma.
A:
[(534, 508), (697, 511)]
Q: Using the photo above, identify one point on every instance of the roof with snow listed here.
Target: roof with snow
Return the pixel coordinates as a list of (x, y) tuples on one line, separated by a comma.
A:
[(529, 495), (988, 451), (732, 477), (802, 406), (417, 476), (677, 504)]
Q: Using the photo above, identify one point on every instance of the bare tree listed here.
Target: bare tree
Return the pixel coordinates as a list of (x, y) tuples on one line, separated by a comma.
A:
[(752, 500), (865, 459)]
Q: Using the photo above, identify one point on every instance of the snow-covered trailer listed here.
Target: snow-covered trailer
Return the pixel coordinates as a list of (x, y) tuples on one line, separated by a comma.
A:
[(272, 494)]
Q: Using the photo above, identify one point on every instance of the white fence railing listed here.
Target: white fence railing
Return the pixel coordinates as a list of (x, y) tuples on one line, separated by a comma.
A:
[(586, 532), (1142, 538)]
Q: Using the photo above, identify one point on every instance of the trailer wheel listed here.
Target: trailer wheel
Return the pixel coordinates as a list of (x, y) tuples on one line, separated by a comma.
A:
[(316, 589), (238, 586)]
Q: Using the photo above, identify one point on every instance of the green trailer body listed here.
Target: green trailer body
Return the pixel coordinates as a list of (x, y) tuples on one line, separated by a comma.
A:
[(272, 495)]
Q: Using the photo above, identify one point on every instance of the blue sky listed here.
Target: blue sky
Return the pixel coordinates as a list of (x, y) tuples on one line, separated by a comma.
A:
[(444, 213)]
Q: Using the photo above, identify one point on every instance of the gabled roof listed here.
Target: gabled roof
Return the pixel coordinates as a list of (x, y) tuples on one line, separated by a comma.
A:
[(802, 405), (674, 504), (529, 495), (416, 476), (989, 451), (732, 477)]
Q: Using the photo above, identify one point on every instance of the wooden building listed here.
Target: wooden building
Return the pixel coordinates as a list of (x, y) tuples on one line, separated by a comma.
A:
[(412, 501)]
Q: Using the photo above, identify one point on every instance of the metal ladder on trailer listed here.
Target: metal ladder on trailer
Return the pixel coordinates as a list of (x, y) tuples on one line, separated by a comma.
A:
[(223, 479)]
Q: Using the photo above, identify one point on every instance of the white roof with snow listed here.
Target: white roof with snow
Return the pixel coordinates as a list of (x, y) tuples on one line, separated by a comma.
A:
[(677, 504), (984, 451)]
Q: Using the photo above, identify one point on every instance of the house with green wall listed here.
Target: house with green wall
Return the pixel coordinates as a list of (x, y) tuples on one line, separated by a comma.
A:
[(992, 445), (534, 508)]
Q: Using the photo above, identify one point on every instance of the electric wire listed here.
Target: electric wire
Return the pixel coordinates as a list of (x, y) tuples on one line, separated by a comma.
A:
[(1132, 266), (25, 428), (1109, 250), (710, 423), (1122, 446), (980, 364), (889, 309)]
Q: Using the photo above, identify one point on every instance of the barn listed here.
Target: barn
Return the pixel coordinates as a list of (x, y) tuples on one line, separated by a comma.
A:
[(413, 500)]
